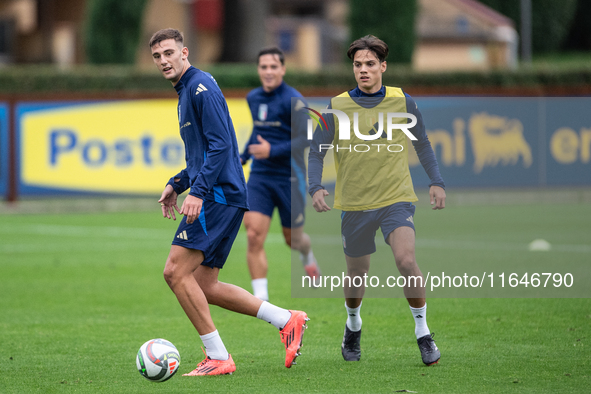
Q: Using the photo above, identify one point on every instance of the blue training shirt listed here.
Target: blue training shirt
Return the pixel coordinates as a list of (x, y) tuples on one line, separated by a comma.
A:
[(272, 119), (213, 169)]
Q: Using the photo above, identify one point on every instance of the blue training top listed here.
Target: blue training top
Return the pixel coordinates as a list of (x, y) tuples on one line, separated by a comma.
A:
[(272, 119), (213, 169), (422, 145)]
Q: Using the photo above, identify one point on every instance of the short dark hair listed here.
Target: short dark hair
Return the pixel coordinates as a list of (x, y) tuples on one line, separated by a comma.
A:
[(272, 51), (371, 43), (166, 34)]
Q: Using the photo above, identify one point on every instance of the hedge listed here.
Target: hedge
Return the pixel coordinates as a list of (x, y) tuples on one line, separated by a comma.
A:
[(93, 79)]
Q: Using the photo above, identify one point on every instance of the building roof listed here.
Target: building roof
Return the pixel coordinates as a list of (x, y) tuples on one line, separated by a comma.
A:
[(459, 19)]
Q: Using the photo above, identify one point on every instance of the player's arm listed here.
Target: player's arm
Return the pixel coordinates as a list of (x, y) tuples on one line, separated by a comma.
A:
[(427, 156), (321, 139), (168, 199), (180, 182), (245, 156), (215, 122)]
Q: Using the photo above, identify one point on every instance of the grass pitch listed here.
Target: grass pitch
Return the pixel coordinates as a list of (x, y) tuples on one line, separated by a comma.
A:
[(82, 292)]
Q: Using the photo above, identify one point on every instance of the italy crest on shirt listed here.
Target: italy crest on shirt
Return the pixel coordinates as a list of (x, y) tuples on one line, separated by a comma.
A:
[(263, 109)]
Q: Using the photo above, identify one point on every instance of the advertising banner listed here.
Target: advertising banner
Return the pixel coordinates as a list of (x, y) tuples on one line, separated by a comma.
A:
[(134, 146), (129, 147), (508, 141)]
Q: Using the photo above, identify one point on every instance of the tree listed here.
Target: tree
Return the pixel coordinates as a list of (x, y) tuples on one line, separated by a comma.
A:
[(113, 30), (392, 21), (579, 37), (551, 20)]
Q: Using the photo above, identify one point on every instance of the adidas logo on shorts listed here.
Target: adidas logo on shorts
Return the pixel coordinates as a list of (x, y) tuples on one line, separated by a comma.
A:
[(409, 219), (183, 235)]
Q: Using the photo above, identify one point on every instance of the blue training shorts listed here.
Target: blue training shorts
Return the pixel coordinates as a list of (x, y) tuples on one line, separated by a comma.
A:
[(358, 228), (213, 232), (267, 192)]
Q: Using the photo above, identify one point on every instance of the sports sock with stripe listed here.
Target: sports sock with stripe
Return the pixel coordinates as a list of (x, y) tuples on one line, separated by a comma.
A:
[(354, 318), (420, 316), (214, 347), (274, 315)]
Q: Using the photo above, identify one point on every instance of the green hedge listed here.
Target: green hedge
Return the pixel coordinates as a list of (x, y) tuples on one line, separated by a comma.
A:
[(125, 79)]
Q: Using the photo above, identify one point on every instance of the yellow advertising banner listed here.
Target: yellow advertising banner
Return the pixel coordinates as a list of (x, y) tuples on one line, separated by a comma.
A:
[(112, 147)]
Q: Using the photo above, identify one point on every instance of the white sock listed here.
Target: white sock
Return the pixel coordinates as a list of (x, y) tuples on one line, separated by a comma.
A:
[(354, 318), (273, 314), (307, 258), (214, 347), (420, 316), (259, 289)]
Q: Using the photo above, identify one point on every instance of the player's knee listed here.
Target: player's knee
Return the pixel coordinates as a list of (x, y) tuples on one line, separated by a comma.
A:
[(406, 263), (170, 274), (297, 240), (256, 238), (354, 272)]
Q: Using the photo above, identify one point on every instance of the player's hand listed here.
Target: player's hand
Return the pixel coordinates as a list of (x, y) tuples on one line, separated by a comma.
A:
[(262, 150), (168, 202), (191, 208), (437, 195), (318, 201)]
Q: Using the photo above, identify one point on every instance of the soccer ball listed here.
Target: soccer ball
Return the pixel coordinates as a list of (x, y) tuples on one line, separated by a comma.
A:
[(158, 360)]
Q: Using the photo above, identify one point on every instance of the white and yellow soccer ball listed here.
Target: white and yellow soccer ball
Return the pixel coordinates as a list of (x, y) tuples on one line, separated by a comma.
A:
[(158, 360)]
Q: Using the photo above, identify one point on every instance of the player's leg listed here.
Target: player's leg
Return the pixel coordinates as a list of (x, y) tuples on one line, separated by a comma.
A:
[(257, 222), (227, 295), (358, 231), (357, 267), (402, 242), (291, 323), (224, 223), (179, 274), (291, 204), (257, 227), (298, 240)]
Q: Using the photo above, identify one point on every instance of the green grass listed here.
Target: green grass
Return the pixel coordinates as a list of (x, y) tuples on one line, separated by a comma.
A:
[(82, 292)]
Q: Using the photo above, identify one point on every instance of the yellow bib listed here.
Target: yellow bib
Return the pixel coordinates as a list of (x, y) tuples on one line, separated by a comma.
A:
[(371, 174)]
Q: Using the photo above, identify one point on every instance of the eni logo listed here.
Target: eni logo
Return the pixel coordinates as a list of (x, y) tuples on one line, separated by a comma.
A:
[(567, 146), (495, 140)]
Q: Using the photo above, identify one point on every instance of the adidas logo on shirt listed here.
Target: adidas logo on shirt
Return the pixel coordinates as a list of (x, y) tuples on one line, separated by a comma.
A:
[(200, 89), (183, 235)]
